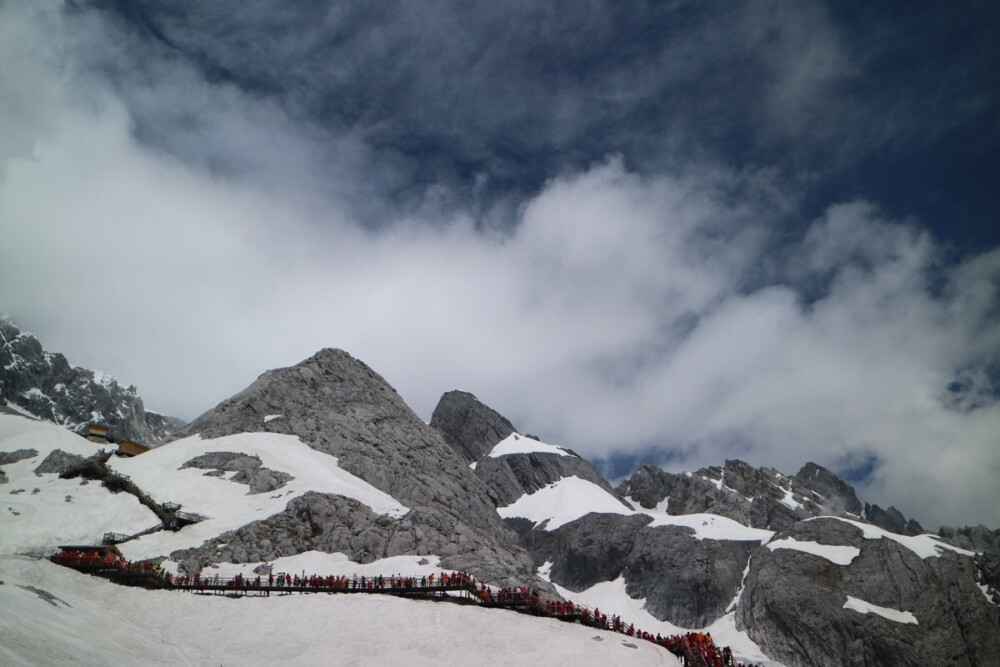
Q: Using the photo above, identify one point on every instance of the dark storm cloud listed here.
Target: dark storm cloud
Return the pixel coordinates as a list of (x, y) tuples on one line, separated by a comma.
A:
[(493, 99), (631, 228)]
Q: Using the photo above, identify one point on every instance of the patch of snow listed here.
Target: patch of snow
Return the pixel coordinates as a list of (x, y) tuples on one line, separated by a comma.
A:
[(563, 501), (711, 527), (839, 555), (716, 482), (516, 443), (739, 592), (269, 418), (861, 606), (925, 545), (545, 571), (103, 379), (789, 500), (473, 465), (986, 592), (35, 392)]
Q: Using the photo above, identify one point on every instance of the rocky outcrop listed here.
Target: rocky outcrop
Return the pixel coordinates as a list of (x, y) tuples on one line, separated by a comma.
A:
[(17, 455), (331, 523), (756, 497), (249, 470), (59, 461), (511, 476), (338, 405), (686, 581), (926, 610), (892, 520), (46, 386), (473, 429), (468, 426)]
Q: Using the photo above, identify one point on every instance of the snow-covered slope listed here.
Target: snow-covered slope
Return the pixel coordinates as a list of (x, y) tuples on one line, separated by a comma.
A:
[(50, 615), (40, 511)]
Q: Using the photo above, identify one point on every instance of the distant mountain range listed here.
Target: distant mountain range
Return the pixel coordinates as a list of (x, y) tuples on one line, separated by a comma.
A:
[(324, 463)]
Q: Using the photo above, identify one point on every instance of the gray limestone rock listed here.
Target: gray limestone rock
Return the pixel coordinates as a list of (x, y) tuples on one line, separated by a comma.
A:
[(17, 455), (686, 581), (58, 461), (248, 469), (757, 497), (892, 520), (793, 604), (45, 385), (339, 406), (468, 426), (511, 476)]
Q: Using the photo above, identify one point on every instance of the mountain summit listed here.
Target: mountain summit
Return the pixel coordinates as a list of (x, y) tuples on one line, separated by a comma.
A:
[(339, 406)]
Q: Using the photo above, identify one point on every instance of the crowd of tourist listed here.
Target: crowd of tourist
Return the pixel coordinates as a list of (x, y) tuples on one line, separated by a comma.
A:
[(696, 649)]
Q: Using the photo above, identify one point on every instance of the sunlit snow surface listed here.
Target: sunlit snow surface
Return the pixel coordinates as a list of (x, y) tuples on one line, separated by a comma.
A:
[(61, 511), (864, 607), (840, 555), (227, 504), (516, 443), (924, 546), (563, 501), (710, 526)]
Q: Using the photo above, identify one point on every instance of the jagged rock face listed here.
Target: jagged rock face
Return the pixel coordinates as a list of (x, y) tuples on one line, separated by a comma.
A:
[(685, 581), (58, 461), (471, 428), (892, 520), (339, 406), (756, 497), (330, 523), (793, 604), (511, 476), (45, 385)]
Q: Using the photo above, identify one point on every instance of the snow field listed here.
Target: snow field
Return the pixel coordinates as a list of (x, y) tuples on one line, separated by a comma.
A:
[(90, 621), (63, 509)]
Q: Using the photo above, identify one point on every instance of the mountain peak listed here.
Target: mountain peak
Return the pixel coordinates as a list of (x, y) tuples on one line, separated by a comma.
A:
[(469, 426)]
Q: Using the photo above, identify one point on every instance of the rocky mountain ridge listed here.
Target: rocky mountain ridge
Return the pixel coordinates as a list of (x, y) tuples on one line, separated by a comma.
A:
[(813, 575), (43, 384)]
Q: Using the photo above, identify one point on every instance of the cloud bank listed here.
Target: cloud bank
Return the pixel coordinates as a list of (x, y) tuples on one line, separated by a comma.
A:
[(188, 247)]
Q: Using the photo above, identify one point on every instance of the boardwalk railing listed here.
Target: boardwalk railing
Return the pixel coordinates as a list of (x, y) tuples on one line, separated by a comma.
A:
[(695, 649)]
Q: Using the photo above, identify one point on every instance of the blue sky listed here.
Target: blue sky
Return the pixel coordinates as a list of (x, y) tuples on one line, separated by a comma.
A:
[(683, 231)]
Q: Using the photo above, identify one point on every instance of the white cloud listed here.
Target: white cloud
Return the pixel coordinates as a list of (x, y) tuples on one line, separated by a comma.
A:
[(614, 315)]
